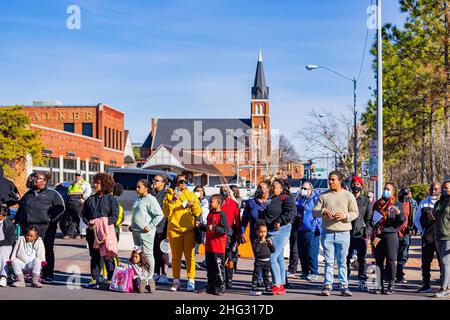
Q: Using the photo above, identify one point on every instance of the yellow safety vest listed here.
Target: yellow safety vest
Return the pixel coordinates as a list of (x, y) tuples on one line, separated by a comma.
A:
[(75, 188)]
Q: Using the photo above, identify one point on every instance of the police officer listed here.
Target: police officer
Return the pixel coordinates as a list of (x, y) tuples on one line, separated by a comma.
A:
[(77, 193)]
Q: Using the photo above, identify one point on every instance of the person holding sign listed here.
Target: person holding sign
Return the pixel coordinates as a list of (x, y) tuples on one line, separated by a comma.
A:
[(387, 218)]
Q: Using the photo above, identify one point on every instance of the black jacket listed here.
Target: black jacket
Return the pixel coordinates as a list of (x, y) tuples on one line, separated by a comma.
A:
[(162, 226), (8, 190), (393, 221), (262, 250), (97, 207), (9, 231), (281, 209), (40, 207), (361, 225)]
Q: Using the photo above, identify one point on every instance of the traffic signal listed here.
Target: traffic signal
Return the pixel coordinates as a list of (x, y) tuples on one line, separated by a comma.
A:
[(313, 168)]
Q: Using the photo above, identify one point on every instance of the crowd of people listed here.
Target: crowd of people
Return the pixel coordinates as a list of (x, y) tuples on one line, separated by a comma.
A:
[(345, 222)]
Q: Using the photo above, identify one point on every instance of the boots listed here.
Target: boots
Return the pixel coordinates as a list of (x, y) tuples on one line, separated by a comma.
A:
[(35, 282), (20, 282)]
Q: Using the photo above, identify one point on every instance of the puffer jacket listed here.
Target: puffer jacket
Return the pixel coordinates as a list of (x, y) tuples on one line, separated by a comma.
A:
[(442, 214)]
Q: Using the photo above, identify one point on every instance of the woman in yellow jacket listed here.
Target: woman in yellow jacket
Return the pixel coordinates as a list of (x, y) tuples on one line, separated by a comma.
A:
[(181, 206)]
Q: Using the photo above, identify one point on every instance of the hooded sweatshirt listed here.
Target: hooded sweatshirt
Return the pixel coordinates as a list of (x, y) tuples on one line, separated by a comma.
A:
[(181, 219), (146, 212)]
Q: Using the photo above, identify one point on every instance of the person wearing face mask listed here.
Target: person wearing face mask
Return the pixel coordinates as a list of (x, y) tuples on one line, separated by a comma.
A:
[(388, 216), (308, 234), (360, 231), (441, 215), (426, 229), (405, 232), (42, 207)]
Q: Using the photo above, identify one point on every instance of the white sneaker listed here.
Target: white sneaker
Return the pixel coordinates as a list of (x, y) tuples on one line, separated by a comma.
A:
[(3, 282), (156, 277), (163, 279), (190, 286), (175, 285)]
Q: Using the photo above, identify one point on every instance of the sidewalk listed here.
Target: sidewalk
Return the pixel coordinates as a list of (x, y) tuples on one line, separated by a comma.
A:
[(72, 256)]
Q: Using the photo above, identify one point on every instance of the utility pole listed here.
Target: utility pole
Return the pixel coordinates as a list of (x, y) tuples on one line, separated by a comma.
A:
[(379, 102)]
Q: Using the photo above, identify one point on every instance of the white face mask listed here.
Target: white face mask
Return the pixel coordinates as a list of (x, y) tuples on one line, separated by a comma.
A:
[(198, 194), (304, 193)]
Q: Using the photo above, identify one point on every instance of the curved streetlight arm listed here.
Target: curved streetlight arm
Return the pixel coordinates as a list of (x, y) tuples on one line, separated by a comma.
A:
[(338, 73)]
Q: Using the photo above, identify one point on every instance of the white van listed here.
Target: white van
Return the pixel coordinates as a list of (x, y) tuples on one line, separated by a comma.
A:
[(128, 178)]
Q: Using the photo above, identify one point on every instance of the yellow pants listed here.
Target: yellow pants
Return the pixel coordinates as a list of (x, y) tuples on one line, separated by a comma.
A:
[(182, 243)]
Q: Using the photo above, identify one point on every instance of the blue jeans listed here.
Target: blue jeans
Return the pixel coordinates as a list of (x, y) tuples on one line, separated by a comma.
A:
[(335, 244), (277, 267), (308, 251), (403, 255)]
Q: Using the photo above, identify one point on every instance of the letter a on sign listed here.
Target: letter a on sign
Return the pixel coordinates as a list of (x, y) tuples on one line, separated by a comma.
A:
[(74, 20)]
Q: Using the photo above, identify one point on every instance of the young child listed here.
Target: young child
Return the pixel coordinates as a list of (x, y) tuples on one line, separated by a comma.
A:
[(7, 239), (141, 269), (262, 248), (28, 254), (215, 245)]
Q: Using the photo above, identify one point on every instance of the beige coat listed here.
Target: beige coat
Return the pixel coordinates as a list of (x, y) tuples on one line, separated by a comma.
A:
[(19, 251)]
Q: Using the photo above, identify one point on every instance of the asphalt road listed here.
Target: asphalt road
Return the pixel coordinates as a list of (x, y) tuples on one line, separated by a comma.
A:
[(72, 266)]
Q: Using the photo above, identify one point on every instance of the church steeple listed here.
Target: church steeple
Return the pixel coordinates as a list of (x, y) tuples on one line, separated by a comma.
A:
[(260, 91)]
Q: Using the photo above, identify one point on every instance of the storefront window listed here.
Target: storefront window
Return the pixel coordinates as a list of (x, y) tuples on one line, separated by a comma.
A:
[(69, 127), (70, 164)]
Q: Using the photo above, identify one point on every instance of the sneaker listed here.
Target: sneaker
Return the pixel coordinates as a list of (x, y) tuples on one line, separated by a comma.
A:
[(3, 282), (190, 286), (390, 290), (93, 285), (156, 277), (151, 286), (362, 285), (67, 237), (77, 237), (268, 292), (313, 277), (282, 290), (163, 279), (18, 284), (303, 276), (345, 292), (175, 285), (219, 293), (142, 285), (354, 259), (276, 290), (326, 291), (290, 274), (255, 293), (425, 289), (47, 280), (401, 280), (442, 293)]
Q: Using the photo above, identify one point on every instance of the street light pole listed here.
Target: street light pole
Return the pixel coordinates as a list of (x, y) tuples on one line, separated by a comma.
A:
[(379, 102), (311, 67)]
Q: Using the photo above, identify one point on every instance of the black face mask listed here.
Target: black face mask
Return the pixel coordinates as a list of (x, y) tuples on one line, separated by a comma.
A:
[(356, 189)]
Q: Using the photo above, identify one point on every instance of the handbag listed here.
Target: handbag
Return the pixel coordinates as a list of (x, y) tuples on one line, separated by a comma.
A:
[(198, 235), (122, 279)]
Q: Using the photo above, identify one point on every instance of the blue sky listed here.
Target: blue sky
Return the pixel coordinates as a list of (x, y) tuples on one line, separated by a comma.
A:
[(187, 58)]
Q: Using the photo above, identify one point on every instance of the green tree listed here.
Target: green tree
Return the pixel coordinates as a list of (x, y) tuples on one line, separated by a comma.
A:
[(17, 139)]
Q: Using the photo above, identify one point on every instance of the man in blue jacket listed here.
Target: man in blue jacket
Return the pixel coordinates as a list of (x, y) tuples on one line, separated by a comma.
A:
[(308, 238)]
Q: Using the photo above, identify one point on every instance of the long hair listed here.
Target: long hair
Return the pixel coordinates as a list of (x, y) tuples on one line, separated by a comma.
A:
[(143, 259), (286, 187)]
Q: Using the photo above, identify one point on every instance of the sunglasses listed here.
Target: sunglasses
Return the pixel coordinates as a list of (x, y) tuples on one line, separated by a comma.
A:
[(305, 188), (182, 181), (155, 181)]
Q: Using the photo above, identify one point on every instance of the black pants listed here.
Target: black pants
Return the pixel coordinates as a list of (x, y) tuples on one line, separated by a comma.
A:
[(293, 252), (215, 271), (161, 258), (48, 234), (96, 258), (264, 268), (428, 250), (72, 216), (387, 249), (360, 245), (231, 256)]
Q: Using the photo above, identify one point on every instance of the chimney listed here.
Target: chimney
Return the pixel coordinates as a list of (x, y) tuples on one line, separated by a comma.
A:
[(154, 124)]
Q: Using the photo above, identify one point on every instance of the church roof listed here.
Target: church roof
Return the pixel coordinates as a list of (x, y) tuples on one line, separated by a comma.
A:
[(168, 132), (260, 90)]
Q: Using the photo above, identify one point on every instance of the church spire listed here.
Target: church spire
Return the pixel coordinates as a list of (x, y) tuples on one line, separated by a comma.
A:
[(260, 90)]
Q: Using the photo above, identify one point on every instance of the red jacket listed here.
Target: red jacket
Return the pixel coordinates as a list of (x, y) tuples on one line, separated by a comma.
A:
[(231, 209), (216, 239)]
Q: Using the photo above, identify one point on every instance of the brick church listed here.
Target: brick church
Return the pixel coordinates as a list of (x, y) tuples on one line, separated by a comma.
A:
[(225, 146)]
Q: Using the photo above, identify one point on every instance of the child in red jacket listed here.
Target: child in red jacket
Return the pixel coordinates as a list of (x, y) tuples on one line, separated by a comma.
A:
[(216, 241)]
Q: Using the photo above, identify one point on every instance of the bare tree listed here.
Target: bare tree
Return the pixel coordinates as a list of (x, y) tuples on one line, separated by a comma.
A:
[(331, 132), (287, 151)]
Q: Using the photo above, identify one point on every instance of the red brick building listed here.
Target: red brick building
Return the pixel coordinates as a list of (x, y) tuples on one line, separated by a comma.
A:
[(78, 138)]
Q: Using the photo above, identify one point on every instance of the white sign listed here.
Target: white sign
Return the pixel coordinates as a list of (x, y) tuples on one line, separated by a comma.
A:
[(365, 166)]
